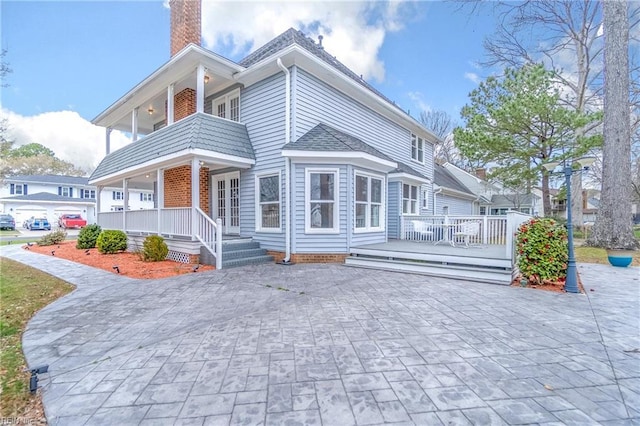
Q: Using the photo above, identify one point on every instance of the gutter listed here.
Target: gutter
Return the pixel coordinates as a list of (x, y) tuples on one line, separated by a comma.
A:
[(436, 192), (287, 164)]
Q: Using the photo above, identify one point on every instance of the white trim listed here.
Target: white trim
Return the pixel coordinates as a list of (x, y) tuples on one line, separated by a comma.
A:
[(356, 157), (383, 205), (258, 209), (183, 157), (226, 101), (417, 211), (404, 177), (419, 148), (23, 201), (307, 201), (456, 193)]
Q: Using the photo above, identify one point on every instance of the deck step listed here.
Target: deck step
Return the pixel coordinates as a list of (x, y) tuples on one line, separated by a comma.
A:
[(229, 253), (464, 272), (232, 263)]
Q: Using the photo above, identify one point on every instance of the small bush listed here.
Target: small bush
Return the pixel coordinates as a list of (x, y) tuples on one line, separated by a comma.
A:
[(542, 250), (154, 249), (88, 236), (111, 241), (55, 237)]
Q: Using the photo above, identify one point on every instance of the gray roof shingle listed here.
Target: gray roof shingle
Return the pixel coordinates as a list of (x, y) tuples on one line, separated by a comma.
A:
[(405, 168), (293, 36), (326, 138), (47, 196), (49, 179), (510, 199), (198, 131), (443, 178)]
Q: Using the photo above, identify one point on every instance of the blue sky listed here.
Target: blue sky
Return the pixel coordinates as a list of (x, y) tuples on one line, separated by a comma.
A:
[(79, 57)]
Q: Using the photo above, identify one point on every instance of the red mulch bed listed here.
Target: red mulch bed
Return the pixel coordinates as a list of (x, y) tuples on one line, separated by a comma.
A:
[(130, 264), (547, 285)]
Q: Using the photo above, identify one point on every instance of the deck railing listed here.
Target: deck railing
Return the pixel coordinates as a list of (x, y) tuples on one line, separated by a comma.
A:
[(209, 233), (142, 220), (478, 230), (176, 221)]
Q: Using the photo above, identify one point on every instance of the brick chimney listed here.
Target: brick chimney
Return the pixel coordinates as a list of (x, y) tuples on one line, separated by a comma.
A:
[(185, 29), (481, 173), (185, 23)]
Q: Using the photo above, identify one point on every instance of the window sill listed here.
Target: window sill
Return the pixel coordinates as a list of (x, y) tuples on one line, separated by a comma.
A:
[(322, 231), (368, 230), (269, 231)]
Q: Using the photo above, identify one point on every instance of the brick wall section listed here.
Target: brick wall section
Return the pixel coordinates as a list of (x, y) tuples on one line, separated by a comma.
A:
[(177, 188), (184, 104), (309, 257), (185, 23)]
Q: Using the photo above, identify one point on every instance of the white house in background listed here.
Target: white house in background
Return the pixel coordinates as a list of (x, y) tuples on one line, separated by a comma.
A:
[(51, 196), (492, 198)]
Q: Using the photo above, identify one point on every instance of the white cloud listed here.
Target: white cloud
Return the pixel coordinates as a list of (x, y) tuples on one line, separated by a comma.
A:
[(353, 31), (66, 133), (418, 100), (473, 77)]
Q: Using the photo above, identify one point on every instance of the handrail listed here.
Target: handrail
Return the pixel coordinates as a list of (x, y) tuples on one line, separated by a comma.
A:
[(209, 233)]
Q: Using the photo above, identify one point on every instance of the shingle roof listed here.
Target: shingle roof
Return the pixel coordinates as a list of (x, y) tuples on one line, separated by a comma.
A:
[(198, 131), (404, 168), (443, 178), (326, 138), (293, 36), (50, 179), (47, 196)]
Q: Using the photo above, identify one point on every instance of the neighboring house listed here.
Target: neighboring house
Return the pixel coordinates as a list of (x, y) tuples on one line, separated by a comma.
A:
[(450, 196), (47, 196), (492, 197), (288, 147), (590, 204), (51, 196)]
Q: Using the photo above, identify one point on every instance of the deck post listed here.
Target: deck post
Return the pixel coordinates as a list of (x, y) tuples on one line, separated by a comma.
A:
[(160, 197), (195, 195), (510, 228), (485, 229), (403, 236), (218, 243), (125, 203)]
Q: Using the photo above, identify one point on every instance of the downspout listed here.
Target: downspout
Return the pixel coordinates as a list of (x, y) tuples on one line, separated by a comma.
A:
[(435, 199), (287, 164)]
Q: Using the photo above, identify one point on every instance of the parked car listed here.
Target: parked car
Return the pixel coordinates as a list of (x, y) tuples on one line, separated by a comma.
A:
[(39, 224), (27, 222), (7, 222), (71, 221)]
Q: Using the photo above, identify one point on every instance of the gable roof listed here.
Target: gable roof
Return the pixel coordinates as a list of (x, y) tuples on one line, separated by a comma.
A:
[(326, 138), (47, 196), (49, 179), (443, 178), (404, 168), (197, 131), (293, 36)]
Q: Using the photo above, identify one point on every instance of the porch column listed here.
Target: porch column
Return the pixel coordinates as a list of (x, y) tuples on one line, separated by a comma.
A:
[(160, 196), (98, 207), (200, 88), (170, 103), (125, 203), (108, 139), (134, 125), (195, 196)]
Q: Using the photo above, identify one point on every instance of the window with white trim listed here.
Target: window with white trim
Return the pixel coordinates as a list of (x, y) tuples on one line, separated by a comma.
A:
[(66, 191), (228, 106), (87, 193), (268, 202), (425, 199), (321, 201), (369, 202), (117, 195), (409, 199), (18, 189), (146, 196), (417, 148)]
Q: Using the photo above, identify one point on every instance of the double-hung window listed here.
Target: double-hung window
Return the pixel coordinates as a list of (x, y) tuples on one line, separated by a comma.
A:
[(417, 149), (268, 202), (228, 106), (87, 193), (146, 196), (118, 195), (65, 191), (409, 199), (369, 203), (425, 199), (321, 201), (18, 189)]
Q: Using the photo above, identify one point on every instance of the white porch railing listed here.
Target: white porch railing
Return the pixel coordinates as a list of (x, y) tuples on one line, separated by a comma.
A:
[(176, 221), (142, 220), (494, 230), (110, 220), (209, 233)]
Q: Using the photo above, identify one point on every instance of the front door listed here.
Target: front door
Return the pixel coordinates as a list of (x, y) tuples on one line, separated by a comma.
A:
[(226, 201)]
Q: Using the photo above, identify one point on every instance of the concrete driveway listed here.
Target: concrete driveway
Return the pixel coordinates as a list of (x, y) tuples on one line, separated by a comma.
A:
[(333, 345)]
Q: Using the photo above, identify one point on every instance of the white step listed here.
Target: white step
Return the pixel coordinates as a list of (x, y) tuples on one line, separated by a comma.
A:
[(468, 273), (462, 258)]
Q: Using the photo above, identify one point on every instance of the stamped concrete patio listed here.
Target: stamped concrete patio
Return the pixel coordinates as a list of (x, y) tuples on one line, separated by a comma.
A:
[(333, 345)]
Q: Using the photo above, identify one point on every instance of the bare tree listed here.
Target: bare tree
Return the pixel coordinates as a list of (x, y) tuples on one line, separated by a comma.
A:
[(613, 228)]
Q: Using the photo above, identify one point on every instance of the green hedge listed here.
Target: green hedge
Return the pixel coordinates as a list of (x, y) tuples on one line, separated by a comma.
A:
[(154, 249), (542, 250), (88, 236), (111, 241)]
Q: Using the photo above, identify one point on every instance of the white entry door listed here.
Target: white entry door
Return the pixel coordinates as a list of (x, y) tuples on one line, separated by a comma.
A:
[(226, 201)]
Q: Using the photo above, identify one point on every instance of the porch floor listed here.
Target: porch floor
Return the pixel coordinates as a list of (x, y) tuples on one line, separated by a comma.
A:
[(483, 251)]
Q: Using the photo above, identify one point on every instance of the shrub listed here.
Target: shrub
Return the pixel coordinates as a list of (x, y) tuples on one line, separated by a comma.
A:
[(55, 237), (111, 241), (154, 249), (87, 236), (542, 250)]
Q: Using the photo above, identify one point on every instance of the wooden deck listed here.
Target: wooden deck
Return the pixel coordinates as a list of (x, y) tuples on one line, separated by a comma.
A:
[(486, 263)]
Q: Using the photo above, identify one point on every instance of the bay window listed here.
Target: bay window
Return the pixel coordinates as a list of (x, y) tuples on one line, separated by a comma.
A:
[(321, 201), (369, 205)]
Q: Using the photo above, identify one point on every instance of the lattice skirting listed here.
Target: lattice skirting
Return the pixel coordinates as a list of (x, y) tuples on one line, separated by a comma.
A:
[(177, 256)]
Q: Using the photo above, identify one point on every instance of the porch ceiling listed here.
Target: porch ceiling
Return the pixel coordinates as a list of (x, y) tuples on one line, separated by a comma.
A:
[(200, 135)]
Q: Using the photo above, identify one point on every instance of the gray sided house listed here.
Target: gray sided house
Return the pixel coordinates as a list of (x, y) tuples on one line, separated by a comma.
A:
[(450, 196), (288, 148)]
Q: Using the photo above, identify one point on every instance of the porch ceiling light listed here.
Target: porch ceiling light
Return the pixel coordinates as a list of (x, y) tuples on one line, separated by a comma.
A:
[(206, 79), (150, 110)]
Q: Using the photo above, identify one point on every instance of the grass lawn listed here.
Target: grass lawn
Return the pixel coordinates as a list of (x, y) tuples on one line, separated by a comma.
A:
[(8, 233), (599, 255), (23, 292)]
